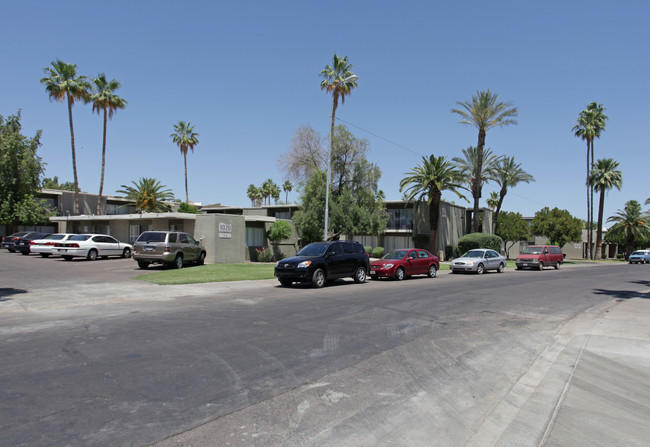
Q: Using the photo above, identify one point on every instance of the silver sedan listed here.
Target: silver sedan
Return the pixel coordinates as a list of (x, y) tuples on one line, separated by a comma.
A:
[(479, 260)]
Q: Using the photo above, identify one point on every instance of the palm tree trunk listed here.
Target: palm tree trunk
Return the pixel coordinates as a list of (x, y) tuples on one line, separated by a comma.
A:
[(74, 159), (476, 188), (187, 195), (599, 231), (434, 215), (502, 195), (101, 181), (591, 205), (588, 203)]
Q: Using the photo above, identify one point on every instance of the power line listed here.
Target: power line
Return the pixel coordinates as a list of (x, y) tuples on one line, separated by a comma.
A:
[(380, 137)]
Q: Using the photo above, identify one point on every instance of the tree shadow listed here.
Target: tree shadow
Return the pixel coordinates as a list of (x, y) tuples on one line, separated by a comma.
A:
[(9, 291), (626, 294)]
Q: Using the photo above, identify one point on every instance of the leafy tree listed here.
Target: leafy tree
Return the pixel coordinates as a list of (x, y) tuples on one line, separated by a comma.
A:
[(185, 138), (310, 216), (53, 183), (474, 171), (105, 100), (591, 122), (287, 187), (512, 229), (148, 195), (603, 177), (559, 226), (184, 207), (20, 169), (484, 112), (631, 225), (428, 180), (279, 231), (507, 174), (63, 82), (305, 155)]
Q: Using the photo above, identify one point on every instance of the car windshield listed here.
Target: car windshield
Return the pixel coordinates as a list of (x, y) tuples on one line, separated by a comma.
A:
[(56, 237), (474, 254), (313, 250), (80, 237), (395, 254), (152, 237), (532, 251)]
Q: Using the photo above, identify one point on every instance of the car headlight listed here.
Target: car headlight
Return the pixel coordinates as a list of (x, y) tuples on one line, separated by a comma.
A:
[(304, 264), (388, 266)]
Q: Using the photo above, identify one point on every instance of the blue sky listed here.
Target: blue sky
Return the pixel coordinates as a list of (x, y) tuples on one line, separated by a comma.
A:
[(246, 74)]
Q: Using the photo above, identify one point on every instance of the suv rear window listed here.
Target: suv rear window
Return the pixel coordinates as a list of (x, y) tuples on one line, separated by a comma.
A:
[(150, 236)]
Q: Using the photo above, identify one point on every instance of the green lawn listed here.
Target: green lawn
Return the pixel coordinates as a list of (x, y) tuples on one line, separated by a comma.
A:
[(210, 273)]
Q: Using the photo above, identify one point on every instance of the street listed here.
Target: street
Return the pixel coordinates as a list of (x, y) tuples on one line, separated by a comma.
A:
[(417, 362)]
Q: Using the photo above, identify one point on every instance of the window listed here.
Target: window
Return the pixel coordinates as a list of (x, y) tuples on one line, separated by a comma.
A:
[(183, 238), (413, 255), (423, 254), (255, 236), (400, 219)]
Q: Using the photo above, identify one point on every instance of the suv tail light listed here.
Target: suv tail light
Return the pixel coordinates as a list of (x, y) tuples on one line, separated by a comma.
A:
[(167, 248)]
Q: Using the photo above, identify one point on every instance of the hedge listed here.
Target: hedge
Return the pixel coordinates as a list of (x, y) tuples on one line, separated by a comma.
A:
[(479, 240)]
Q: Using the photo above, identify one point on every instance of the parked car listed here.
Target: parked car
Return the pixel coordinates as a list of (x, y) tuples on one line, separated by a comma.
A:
[(540, 256), (45, 246), (479, 260), (9, 241), (398, 264), (92, 246), (639, 257), (320, 262), (24, 243), (173, 248)]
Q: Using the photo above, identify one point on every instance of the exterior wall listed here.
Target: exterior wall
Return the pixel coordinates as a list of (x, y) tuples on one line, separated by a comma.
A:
[(223, 235)]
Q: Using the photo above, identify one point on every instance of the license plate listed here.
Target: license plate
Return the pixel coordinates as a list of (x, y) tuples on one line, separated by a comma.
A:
[(525, 265), (148, 248), (372, 272)]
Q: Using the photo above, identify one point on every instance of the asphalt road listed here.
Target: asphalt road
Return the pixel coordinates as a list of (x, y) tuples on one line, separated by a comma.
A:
[(418, 362)]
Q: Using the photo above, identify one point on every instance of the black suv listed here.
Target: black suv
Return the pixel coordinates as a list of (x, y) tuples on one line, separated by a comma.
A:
[(324, 261)]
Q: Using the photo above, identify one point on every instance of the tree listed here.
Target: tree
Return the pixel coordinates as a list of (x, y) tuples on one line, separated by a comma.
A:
[(53, 183), (305, 155), (310, 216), (631, 225), (185, 138), (484, 112), (512, 229), (474, 171), (603, 177), (428, 180), (63, 82), (507, 174), (493, 201), (591, 122), (148, 195), (559, 226), (20, 171), (252, 193), (105, 100), (287, 187)]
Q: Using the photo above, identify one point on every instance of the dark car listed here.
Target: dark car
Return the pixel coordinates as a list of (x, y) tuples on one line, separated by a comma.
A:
[(320, 262), (9, 241), (22, 244), (398, 264)]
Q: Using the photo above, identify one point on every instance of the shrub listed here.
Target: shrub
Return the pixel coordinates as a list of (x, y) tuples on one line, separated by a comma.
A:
[(368, 249), (449, 252), (280, 230), (187, 208), (420, 240), (264, 255), (479, 240), (377, 252)]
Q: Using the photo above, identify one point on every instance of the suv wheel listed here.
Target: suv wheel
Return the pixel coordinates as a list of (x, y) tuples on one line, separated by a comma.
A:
[(143, 264), (178, 262), (541, 266), (360, 275), (201, 259), (557, 265), (318, 279)]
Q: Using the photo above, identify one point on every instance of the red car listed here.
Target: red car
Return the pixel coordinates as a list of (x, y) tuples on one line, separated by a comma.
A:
[(399, 264)]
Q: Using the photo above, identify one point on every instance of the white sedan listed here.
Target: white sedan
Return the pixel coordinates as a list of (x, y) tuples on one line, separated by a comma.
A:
[(91, 246), (479, 260), (45, 246)]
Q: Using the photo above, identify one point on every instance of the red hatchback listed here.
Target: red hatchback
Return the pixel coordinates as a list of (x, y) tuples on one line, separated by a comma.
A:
[(401, 263)]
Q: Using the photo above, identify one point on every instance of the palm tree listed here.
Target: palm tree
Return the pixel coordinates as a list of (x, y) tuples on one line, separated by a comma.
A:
[(185, 138), (603, 177), (267, 190), (493, 201), (251, 193), (472, 170), (63, 82), (287, 187), (430, 179), (631, 224), (484, 112), (148, 195), (104, 99), (507, 174), (591, 122)]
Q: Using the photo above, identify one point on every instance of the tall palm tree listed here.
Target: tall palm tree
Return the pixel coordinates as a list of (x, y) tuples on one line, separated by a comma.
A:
[(148, 195), (603, 177), (287, 187), (591, 122), (251, 193), (267, 190), (430, 179), (493, 201), (484, 112), (105, 100), (63, 82), (185, 138), (507, 174), (472, 170), (631, 224)]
